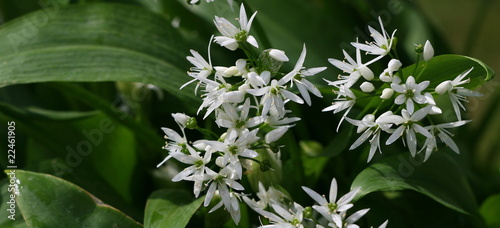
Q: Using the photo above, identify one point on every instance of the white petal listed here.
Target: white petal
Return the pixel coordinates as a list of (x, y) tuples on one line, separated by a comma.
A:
[(395, 135), (291, 96), (333, 191), (315, 196)]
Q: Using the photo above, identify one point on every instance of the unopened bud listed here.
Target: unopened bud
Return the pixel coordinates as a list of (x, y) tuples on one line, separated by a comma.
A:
[(181, 119), (419, 48), (387, 93), (394, 65), (367, 87), (278, 55), (428, 51), (191, 123), (444, 87)]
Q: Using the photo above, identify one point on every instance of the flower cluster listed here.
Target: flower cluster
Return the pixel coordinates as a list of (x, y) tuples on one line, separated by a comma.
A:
[(248, 101), (327, 213), (399, 100)]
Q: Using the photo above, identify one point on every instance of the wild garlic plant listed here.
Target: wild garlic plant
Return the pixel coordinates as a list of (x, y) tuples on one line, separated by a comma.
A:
[(402, 104), (248, 100)]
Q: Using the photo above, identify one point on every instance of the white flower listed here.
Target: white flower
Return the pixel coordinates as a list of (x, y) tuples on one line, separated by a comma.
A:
[(232, 35), (232, 206), (409, 126), (236, 145), (266, 197), (299, 77), (356, 69), (345, 100), (221, 181), (218, 93), (428, 51), (369, 126), (382, 45), (201, 69), (229, 118), (195, 172), (410, 92), (275, 94), (460, 94), (443, 134), (175, 145), (331, 208), (282, 218)]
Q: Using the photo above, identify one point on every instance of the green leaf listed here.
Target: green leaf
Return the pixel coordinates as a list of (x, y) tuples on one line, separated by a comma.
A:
[(94, 42), (170, 208), (439, 178), (11, 217), (91, 140), (489, 211), (48, 201), (448, 67)]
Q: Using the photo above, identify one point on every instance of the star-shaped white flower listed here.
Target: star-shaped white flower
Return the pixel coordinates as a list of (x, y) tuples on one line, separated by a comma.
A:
[(409, 126), (443, 134), (195, 172), (331, 208), (410, 92), (175, 145), (236, 118), (300, 80), (231, 35), (356, 69), (369, 126), (201, 69), (345, 101), (383, 43), (457, 92)]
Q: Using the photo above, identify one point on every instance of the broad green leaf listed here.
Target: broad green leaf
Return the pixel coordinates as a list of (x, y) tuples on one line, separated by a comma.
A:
[(91, 140), (448, 67), (439, 178), (94, 42), (48, 201), (489, 211), (170, 208), (10, 216)]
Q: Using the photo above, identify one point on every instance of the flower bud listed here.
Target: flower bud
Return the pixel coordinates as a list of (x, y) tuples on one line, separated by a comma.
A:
[(419, 48), (367, 87), (385, 76), (272, 62), (387, 93), (444, 87), (181, 119), (278, 55), (428, 51), (394, 65), (191, 123)]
